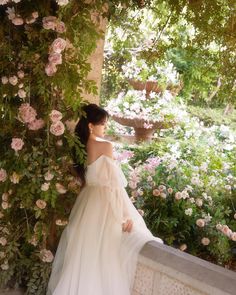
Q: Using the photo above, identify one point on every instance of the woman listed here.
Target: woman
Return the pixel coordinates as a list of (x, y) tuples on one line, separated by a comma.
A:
[(98, 250)]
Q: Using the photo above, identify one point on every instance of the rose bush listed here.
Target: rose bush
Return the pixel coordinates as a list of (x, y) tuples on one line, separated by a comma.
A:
[(185, 187)]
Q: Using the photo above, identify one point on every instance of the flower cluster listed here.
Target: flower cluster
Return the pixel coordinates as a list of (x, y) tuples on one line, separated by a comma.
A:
[(135, 105), (55, 57), (57, 128), (27, 114), (138, 69)]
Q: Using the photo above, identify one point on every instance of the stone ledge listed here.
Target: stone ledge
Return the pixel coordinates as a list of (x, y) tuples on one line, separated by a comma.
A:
[(198, 273)]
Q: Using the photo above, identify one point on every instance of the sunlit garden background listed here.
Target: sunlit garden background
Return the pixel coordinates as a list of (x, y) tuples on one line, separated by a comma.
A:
[(169, 85)]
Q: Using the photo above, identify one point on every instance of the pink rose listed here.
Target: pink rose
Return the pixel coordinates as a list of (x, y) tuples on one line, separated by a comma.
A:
[(226, 230), (57, 128), (170, 190), (58, 45), (200, 222), (60, 188), (156, 192), (3, 241), (205, 241), (5, 205), (18, 21), (20, 74), (46, 255), (233, 236), (36, 124), (48, 176), (55, 58), (21, 93), (35, 14), (3, 2), (49, 22), (41, 204), (3, 175), (17, 144), (13, 80), (45, 186), (60, 27), (55, 116), (5, 197), (50, 69), (178, 196), (4, 80), (27, 114)]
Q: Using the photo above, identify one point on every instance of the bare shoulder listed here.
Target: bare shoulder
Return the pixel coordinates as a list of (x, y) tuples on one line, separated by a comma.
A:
[(106, 148)]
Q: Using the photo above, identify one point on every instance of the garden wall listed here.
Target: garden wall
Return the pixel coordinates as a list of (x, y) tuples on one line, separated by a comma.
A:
[(163, 270)]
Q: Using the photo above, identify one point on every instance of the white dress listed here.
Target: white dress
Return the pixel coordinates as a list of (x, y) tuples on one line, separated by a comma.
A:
[(94, 256)]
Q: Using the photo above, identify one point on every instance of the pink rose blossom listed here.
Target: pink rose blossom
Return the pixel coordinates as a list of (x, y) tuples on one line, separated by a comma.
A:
[(156, 192), (50, 69), (3, 175), (60, 27), (60, 188), (46, 255), (45, 186), (13, 80), (55, 116), (17, 144), (17, 21), (233, 236), (183, 247), (226, 230), (49, 22), (36, 124), (170, 190), (48, 176), (35, 14), (41, 204), (3, 2), (20, 74), (27, 114), (5, 197), (55, 58), (5, 205), (205, 241), (58, 45), (57, 128), (200, 222), (4, 80), (3, 241), (178, 196), (21, 93)]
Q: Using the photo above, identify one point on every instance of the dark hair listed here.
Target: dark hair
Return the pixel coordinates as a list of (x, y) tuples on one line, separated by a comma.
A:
[(94, 114)]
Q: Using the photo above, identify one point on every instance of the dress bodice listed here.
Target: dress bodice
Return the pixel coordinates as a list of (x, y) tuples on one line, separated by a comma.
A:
[(104, 171)]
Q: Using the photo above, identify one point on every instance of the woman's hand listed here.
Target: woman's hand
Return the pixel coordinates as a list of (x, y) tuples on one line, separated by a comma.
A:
[(127, 225)]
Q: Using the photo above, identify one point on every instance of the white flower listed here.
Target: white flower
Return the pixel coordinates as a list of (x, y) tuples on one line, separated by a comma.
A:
[(183, 247), (62, 2), (46, 255), (5, 266), (45, 186), (48, 176), (188, 211), (199, 202), (60, 222)]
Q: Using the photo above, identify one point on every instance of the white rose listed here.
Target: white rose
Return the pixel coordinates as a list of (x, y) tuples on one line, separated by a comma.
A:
[(45, 186)]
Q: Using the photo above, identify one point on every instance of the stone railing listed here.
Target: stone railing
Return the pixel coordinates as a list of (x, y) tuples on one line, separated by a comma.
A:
[(163, 270)]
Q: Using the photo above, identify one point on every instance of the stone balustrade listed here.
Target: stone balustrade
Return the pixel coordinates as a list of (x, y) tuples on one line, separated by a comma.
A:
[(163, 270)]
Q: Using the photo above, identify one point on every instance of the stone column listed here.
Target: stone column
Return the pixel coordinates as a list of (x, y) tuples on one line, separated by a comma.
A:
[(96, 59)]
